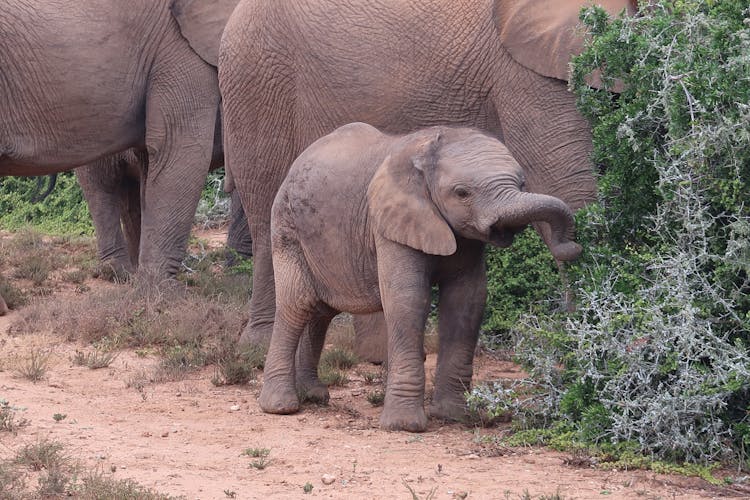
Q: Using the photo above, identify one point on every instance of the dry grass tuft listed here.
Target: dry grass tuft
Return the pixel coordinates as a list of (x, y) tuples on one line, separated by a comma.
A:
[(34, 365)]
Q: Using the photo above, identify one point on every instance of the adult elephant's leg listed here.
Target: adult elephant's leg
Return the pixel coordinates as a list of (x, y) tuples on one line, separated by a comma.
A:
[(309, 349), (461, 306), (371, 337), (3, 306), (131, 195), (260, 143), (180, 117), (259, 153), (130, 203), (239, 242), (101, 183), (405, 292)]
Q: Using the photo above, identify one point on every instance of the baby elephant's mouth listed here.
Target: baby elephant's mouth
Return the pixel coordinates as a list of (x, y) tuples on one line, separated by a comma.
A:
[(503, 236)]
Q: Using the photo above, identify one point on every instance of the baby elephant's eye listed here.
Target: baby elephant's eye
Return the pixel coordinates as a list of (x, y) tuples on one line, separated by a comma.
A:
[(461, 192)]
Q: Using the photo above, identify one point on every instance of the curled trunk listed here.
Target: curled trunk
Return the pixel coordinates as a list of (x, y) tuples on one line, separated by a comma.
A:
[(527, 208)]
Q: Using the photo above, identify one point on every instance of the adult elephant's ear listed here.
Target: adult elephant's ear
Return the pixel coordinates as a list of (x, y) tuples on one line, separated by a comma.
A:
[(400, 206), (202, 23), (543, 35)]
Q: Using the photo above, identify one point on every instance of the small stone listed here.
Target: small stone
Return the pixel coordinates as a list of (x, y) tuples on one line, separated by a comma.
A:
[(234, 408), (328, 479), (165, 434)]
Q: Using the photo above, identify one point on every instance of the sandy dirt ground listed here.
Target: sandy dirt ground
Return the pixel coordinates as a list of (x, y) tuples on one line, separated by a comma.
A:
[(188, 438)]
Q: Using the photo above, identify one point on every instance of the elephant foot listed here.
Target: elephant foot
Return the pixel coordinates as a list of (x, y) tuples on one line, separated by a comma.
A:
[(448, 409), (314, 391), (404, 419), (279, 398)]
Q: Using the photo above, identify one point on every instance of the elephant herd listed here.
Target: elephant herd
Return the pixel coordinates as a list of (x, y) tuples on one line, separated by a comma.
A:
[(464, 110)]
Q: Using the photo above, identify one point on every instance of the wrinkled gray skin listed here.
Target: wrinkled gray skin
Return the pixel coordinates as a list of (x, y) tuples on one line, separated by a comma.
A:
[(399, 66), (112, 188), (84, 80), (366, 222)]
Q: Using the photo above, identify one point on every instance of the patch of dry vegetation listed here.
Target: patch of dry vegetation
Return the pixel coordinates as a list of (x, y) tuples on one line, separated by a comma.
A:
[(58, 475), (191, 322), (37, 264)]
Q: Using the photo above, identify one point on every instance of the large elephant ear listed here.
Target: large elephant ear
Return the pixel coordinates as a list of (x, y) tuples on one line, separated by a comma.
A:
[(202, 23), (543, 35), (400, 205)]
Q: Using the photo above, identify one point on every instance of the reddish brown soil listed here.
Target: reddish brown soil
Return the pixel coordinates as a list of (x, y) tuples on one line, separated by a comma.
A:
[(188, 438)]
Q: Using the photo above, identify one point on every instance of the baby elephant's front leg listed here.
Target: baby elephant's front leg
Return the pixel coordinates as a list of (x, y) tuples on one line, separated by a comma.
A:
[(405, 292)]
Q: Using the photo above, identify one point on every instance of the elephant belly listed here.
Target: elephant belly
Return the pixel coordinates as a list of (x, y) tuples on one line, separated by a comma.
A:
[(76, 87), (345, 282)]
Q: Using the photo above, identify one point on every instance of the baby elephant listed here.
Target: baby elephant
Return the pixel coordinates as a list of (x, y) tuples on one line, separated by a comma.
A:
[(365, 222)]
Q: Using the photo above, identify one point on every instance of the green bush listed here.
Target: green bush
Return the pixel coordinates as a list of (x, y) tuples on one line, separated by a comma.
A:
[(64, 211), (655, 358), (521, 279)]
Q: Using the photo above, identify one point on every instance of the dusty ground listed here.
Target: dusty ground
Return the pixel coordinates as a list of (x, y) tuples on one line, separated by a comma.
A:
[(188, 438)]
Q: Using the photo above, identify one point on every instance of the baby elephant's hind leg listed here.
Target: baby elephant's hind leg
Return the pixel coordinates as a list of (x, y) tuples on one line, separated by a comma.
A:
[(296, 307)]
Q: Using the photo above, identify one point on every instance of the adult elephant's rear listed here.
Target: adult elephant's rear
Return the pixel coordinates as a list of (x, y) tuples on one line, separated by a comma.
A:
[(83, 79), (292, 72)]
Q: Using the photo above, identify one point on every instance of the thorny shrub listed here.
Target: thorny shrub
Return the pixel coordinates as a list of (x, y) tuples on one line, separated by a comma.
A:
[(656, 355)]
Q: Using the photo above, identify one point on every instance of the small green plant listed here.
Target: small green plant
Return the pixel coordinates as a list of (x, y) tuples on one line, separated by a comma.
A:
[(370, 377), (260, 455), (35, 268), (555, 496), (332, 376), (257, 452), (12, 481), (376, 398), (232, 372), (59, 417), (14, 296), (179, 360), (43, 454), (414, 495), (55, 481), (338, 357), (8, 420), (332, 363), (76, 276), (238, 366), (97, 485), (230, 493), (35, 365), (96, 359), (307, 488), (260, 463)]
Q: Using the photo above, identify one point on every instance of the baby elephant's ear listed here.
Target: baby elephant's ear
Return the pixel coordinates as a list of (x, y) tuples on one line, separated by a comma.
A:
[(400, 205)]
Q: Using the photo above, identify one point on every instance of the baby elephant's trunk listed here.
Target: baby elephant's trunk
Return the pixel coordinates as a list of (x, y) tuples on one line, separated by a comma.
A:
[(526, 208)]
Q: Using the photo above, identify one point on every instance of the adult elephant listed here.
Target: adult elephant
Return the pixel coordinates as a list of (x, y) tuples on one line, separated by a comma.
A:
[(85, 79), (112, 189), (497, 65)]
